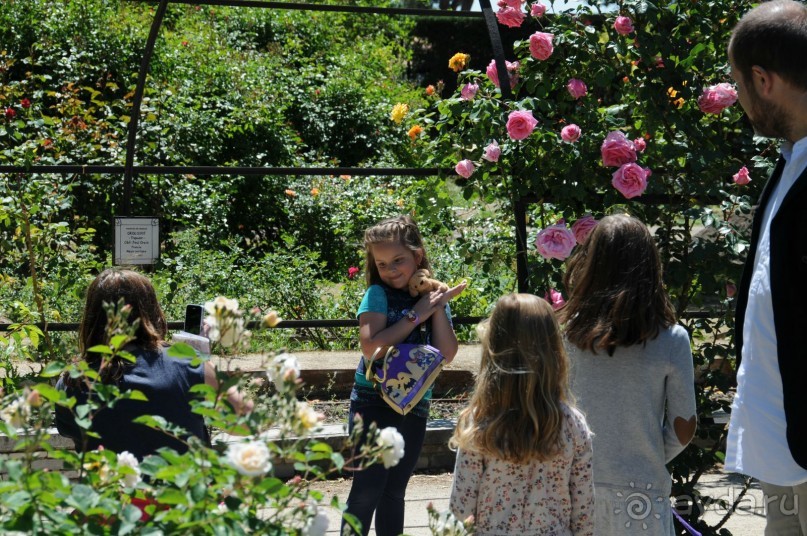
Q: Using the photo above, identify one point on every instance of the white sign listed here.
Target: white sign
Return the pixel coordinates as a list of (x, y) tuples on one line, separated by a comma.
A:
[(137, 240)]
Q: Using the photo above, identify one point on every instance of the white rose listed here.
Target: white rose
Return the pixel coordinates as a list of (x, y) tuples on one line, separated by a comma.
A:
[(307, 415), (284, 368), (220, 305), (127, 459), (250, 459), (393, 443), (317, 524), (17, 413), (226, 330), (232, 332)]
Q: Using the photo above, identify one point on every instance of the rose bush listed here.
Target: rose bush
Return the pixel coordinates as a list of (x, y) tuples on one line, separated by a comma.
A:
[(227, 488), (642, 109)]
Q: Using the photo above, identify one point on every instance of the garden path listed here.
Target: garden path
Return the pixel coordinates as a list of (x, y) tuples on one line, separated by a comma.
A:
[(749, 520)]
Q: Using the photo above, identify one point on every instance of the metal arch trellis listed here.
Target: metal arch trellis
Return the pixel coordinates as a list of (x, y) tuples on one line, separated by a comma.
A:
[(130, 170)]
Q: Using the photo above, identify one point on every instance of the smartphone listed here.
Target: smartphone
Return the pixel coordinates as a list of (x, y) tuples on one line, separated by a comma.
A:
[(194, 315)]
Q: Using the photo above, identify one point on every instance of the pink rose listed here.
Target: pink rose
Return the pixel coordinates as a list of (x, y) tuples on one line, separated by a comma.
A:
[(631, 180), (537, 10), (512, 72), (717, 98), (742, 177), (541, 45), (492, 152), (515, 4), (617, 149), (555, 242), (570, 133), (731, 289), (468, 91), (520, 124), (510, 16), (583, 227), (623, 25), (576, 88), (465, 168), (639, 144), (352, 272), (555, 299)]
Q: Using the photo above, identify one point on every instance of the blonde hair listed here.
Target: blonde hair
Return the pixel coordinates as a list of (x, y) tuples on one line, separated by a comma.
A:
[(516, 412), (399, 230)]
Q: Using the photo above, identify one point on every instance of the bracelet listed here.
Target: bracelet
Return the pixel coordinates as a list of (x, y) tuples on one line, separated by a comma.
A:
[(411, 316)]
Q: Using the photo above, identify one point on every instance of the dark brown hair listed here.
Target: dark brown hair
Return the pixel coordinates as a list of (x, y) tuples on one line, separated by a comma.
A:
[(614, 285), (773, 36), (516, 412), (399, 230), (137, 292)]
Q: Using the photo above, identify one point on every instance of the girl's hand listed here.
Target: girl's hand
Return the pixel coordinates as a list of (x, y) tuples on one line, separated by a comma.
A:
[(435, 299), (453, 292)]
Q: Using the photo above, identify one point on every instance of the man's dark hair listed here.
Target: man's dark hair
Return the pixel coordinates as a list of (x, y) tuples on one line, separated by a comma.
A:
[(773, 36)]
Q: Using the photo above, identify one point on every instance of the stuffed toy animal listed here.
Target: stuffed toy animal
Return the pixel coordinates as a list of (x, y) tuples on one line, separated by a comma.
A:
[(421, 283)]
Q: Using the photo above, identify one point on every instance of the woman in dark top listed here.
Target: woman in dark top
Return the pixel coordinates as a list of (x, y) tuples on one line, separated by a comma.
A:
[(165, 381)]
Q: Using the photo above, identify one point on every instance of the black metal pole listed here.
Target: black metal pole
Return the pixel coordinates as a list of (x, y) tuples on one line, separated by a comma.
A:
[(519, 206), (498, 49), (131, 143), (411, 11)]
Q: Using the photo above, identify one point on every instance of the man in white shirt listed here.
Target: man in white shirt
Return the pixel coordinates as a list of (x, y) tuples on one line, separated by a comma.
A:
[(768, 429)]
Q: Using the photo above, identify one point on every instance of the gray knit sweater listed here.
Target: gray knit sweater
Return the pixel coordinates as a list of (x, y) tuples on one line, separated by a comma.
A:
[(630, 401)]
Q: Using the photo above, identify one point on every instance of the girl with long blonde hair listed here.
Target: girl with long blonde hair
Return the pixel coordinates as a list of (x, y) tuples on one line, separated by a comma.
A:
[(524, 453)]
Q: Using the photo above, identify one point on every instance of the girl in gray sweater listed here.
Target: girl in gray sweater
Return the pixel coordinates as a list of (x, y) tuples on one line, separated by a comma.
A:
[(632, 374)]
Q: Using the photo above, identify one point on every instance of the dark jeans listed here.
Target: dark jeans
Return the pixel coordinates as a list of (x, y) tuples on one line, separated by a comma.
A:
[(381, 490)]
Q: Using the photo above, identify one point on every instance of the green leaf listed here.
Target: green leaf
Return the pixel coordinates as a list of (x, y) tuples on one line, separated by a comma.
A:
[(181, 350), (270, 486), (118, 341), (135, 395), (50, 393), (198, 492), (172, 496), (321, 447), (52, 369)]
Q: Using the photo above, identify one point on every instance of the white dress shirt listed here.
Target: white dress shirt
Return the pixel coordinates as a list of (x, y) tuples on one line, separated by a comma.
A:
[(757, 443)]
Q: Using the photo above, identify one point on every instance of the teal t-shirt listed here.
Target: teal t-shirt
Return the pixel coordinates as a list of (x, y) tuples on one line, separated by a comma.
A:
[(392, 302)]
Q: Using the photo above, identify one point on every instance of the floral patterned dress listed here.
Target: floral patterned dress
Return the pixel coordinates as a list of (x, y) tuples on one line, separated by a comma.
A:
[(547, 498)]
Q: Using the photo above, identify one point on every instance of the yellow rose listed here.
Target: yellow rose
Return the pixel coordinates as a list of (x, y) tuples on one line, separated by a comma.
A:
[(458, 61), (414, 132), (271, 319), (399, 111)]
